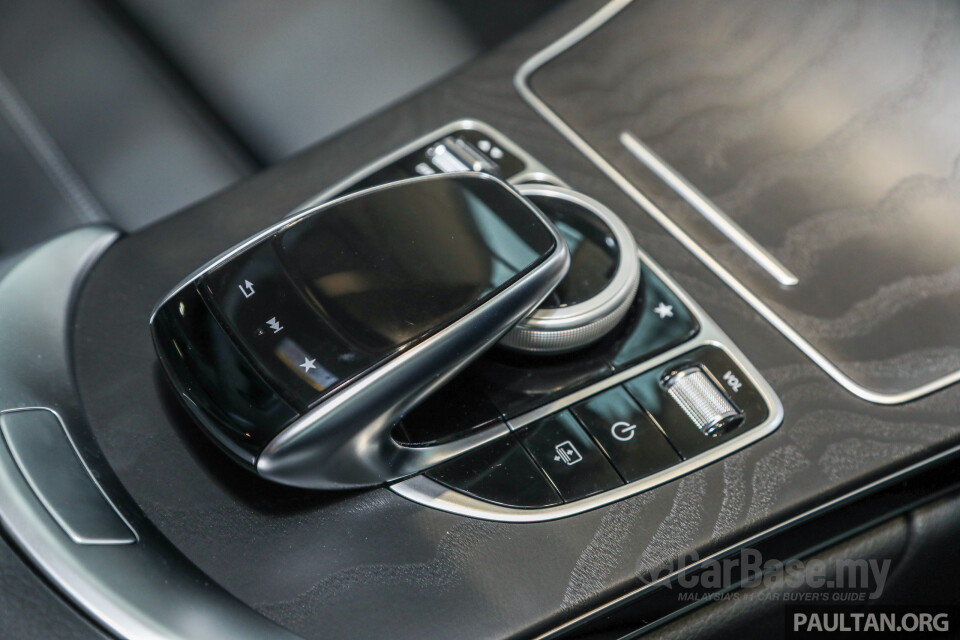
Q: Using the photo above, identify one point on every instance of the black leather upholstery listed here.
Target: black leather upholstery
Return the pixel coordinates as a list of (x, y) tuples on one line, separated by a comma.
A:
[(90, 130), (287, 73), (94, 127)]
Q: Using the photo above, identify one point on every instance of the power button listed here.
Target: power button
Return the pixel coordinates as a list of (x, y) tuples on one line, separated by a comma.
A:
[(626, 434)]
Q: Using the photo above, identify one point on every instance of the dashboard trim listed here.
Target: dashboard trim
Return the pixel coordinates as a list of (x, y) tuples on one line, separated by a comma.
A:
[(522, 85), (708, 209), (757, 537)]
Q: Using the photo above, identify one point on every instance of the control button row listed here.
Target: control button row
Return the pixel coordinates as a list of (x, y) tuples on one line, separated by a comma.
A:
[(649, 424), (598, 444), (620, 435)]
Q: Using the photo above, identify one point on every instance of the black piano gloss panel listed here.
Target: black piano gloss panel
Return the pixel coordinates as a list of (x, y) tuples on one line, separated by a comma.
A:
[(827, 131)]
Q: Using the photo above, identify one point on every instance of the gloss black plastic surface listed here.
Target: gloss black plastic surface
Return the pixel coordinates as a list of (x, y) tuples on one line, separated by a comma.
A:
[(625, 433), (501, 472), (278, 329), (517, 383), (390, 267), (658, 321), (568, 456), (451, 412), (594, 254), (214, 380), (648, 390)]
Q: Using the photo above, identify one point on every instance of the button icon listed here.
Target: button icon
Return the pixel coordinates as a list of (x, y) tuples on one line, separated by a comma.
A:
[(307, 364), (567, 453), (246, 289), (664, 310), (273, 324), (623, 431)]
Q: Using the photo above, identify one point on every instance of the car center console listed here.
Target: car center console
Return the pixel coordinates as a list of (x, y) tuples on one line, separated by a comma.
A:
[(658, 391), (617, 382), (641, 410)]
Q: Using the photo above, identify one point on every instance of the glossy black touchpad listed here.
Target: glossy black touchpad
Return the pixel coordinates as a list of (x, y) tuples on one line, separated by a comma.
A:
[(336, 292), (392, 266)]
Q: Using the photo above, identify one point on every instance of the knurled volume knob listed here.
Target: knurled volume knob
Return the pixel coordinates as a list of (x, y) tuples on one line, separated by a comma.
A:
[(701, 399)]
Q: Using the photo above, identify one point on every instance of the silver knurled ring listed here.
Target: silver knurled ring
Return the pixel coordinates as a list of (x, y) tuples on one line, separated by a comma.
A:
[(563, 329)]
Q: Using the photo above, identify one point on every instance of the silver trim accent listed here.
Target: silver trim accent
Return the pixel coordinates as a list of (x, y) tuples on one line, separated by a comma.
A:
[(345, 441), (576, 35), (533, 172), (557, 330), (430, 493), (708, 210), (55, 513)]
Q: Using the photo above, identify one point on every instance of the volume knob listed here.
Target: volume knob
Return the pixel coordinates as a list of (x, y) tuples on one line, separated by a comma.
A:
[(696, 393)]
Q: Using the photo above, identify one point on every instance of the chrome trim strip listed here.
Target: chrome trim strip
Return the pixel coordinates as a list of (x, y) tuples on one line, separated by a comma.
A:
[(427, 492), (708, 210), (534, 170), (560, 329), (54, 513), (521, 82)]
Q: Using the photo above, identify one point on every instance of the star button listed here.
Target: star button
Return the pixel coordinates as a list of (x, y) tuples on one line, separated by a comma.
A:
[(307, 364), (664, 310)]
